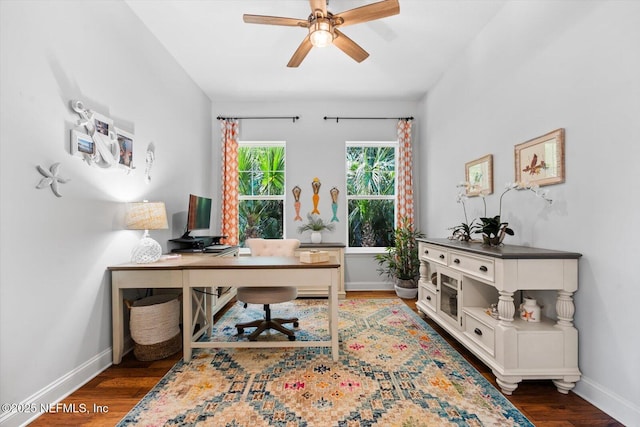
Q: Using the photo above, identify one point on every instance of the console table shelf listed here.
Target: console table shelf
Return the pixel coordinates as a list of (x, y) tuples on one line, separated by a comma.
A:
[(460, 280), (335, 250)]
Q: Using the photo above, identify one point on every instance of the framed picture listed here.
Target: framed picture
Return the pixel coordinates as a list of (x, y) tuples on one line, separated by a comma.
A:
[(82, 144), (125, 141), (541, 160), (103, 124), (479, 174)]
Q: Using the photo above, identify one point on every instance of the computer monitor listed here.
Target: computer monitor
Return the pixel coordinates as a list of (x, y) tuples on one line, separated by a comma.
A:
[(198, 215)]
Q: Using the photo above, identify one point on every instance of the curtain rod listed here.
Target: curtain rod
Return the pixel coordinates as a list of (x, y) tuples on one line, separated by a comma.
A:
[(294, 118), (368, 118)]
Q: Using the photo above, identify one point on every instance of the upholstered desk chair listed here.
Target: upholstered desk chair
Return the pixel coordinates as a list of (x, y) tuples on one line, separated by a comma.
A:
[(269, 295)]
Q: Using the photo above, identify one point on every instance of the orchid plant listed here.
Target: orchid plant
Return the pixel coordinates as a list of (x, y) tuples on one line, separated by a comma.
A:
[(493, 229), (464, 230)]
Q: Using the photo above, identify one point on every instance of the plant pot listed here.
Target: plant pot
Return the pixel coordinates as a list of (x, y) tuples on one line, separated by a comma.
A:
[(406, 293), (496, 240), (492, 241), (406, 289), (316, 237)]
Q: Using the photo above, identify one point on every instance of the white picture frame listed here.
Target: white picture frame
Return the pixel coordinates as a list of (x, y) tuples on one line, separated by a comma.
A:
[(82, 145), (125, 141), (103, 124)]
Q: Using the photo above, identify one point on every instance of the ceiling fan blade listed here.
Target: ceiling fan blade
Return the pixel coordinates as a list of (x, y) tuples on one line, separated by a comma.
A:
[(300, 53), (275, 20), (349, 47), (318, 5), (370, 12)]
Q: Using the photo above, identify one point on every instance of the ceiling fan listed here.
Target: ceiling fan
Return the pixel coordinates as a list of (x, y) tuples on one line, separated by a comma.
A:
[(323, 27)]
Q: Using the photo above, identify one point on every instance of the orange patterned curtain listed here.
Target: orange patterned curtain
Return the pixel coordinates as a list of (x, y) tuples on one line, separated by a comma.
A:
[(230, 190), (405, 172)]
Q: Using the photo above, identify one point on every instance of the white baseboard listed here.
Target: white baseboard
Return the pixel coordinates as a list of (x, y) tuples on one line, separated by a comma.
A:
[(613, 404), (60, 389), (368, 286)]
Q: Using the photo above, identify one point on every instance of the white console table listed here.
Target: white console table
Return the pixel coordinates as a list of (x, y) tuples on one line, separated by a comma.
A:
[(335, 250), (460, 280)]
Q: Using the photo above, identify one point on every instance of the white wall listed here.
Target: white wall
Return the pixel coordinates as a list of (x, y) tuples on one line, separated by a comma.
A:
[(55, 319), (536, 67), (316, 148)]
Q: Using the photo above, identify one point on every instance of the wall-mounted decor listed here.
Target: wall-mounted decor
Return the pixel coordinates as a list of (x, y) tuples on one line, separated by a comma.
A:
[(103, 125), (108, 141), (125, 142), (51, 178), (479, 176), (82, 144), (540, 160), (296, 204), (315, 184), (149, 159), (334, 203)]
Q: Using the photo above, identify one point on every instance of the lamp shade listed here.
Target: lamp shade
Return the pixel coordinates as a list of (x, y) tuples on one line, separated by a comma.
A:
[(320, 33), (146, 216)]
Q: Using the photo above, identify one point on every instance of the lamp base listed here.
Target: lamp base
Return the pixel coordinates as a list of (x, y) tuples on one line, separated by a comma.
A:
[(147, 250)]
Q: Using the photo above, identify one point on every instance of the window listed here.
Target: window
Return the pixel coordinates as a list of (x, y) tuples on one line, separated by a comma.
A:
[(371, 193), (261, 167)]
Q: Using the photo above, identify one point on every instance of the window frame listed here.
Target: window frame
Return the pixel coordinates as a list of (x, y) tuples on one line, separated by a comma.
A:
[(283, 197), (376, 144)]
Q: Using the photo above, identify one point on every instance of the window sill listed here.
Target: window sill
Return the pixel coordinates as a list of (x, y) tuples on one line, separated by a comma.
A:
[(365, 251), (347, 251)]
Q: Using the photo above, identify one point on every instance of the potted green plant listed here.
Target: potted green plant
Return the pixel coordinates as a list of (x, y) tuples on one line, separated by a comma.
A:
[(493, 230), (400, 262), (464, 230), (316, 225)]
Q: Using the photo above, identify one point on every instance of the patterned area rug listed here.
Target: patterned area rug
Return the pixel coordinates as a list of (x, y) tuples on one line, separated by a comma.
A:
[(394, 370)]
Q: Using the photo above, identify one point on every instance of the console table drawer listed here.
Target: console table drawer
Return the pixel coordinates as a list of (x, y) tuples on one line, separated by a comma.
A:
[(479, 267), (479, 332), (429, 298), (433, 253)]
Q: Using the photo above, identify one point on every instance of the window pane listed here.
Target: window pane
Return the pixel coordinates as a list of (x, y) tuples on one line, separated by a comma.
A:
[(260, 218), (370, 170), (249, 183), (261, 170), (272, 183), (371, 223)]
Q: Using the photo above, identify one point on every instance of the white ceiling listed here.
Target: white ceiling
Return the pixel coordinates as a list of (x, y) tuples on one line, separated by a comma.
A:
[(229, 59)]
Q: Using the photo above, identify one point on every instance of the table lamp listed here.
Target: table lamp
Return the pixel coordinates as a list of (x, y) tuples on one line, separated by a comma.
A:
[(146, 216)]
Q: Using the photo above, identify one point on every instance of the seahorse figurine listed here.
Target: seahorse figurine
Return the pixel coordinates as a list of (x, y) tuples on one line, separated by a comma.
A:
[(334, 203), (296, 204), (316, 197)]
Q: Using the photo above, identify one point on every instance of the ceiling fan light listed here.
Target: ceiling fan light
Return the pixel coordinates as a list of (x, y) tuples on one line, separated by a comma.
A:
[(320, 33)]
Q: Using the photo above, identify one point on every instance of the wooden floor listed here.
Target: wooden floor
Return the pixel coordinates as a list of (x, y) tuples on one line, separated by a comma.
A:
[(119, 388)]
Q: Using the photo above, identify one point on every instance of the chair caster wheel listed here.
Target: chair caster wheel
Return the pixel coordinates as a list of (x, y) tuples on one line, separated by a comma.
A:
[(296, 324), (292, 338)]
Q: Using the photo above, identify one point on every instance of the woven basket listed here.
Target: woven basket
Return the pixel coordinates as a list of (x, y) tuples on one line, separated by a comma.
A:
[(155, 327)]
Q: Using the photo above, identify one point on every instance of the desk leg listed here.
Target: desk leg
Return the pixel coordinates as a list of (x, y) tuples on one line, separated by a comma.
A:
[(333, 317), (187, 327), (209, 309), (117, 320)]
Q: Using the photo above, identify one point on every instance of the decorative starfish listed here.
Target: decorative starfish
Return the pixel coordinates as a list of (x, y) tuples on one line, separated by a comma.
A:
[(51, 178)]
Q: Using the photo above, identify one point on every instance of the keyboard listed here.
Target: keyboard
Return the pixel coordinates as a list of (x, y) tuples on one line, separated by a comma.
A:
[(216, 248)]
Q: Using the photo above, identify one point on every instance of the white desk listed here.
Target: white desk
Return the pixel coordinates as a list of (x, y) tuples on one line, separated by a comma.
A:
[(191, 273)]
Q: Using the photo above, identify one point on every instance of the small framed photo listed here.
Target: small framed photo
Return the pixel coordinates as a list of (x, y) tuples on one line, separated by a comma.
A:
[(103, 124), (479, 174), (541, 160), (125, 141), (81, 144)]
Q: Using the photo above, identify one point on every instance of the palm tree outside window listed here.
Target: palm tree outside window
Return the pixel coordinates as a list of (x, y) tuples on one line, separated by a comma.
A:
[(371, 193), (261, 174)]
